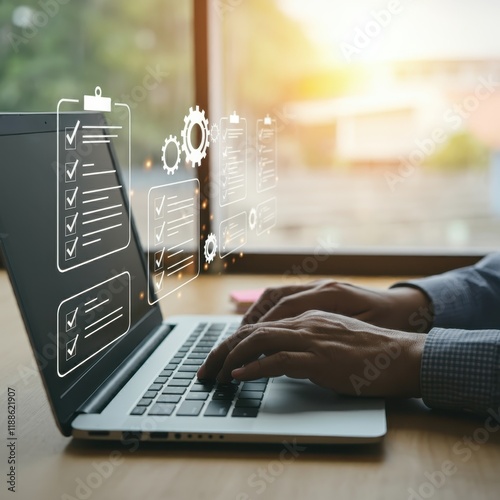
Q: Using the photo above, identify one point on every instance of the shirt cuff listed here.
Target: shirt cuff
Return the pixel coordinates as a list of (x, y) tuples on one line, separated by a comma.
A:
[(460, 370)]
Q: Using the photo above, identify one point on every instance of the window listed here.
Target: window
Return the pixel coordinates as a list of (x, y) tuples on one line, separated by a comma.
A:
[(387, 115)]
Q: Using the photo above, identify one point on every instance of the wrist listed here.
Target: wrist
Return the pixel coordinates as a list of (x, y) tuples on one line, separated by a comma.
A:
[(412, 308)]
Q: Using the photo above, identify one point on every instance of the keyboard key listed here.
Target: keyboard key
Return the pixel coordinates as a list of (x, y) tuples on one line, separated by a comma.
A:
[(199, 396), (150, 394), (247, 403), (174, 390), (190, 408), (223, 396), (161, 380), (217, 326), (254, 386), (171, 366), (264, 380), (179, 383), (193, 362), (201, 350), (196, 355), (188, 368), (245, 412), (202, 387), (144, 402), (251, 395), (184, 375), (217, 408), (169, 398), (164, 409), (138, 410), (166, 373), (231, 387), (177, 360), (155, 387)]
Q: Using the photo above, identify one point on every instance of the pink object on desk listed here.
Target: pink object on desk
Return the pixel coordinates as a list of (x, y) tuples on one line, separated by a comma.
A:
[(243, 299)]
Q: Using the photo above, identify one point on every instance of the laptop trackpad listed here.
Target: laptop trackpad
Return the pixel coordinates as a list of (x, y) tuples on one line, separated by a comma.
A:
[(288, 396)]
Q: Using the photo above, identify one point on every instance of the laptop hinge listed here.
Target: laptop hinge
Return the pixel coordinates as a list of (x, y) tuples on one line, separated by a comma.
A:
[(110, 388)]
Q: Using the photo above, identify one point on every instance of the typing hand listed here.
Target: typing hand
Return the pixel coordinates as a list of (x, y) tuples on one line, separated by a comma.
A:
[(330, 350), (402, 308)]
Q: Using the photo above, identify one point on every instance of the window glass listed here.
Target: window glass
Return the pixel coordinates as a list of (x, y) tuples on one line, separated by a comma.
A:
[(387, 115)]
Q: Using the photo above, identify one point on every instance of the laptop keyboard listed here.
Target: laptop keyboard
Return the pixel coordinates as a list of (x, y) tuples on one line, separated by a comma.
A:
[(177, 391)]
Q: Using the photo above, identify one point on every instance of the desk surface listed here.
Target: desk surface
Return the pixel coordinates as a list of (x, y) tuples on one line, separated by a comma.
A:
[(421, 448)]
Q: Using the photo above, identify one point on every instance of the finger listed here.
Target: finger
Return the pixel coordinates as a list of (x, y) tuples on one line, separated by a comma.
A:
[(266, 339), (215, 359), (268, 300), (294, 305), (291, 364)]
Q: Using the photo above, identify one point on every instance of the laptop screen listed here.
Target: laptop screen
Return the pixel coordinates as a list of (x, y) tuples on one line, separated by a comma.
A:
[(73, 256)]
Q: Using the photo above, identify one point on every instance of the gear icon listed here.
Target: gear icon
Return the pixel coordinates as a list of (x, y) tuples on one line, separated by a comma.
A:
[(171, 140), (195, 155), (214, 132), (210, 249), (252, 219)]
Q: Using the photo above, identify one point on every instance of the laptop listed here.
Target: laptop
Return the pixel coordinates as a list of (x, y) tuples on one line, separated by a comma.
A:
[(112, 367)]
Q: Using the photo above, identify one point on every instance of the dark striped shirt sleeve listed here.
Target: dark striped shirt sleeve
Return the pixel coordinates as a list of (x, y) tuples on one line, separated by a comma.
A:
[(461, 360)]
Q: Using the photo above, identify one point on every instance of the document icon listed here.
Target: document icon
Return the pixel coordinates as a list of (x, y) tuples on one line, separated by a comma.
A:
[(173, 237), (267, 173), (233, 159), (92, 213), (91, 320)]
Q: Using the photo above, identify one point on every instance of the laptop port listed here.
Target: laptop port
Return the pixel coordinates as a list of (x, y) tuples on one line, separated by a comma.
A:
[(158, 435), (98, 433)]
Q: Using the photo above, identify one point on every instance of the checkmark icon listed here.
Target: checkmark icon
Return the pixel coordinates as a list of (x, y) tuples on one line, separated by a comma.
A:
[(71, 348), (159, 281), (70, 196), (159, 260), (70, 136), (71, 320), (70, 228), (159, 233), (70, 169), (71, 249), (224, 134), (159, 203), (224, 153)]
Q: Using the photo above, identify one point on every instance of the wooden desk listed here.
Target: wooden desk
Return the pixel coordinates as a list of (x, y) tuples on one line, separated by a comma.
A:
[(419, 442)]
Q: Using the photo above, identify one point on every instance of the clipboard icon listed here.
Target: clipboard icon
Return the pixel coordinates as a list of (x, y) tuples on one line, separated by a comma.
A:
[(97, 102), (93, 219)]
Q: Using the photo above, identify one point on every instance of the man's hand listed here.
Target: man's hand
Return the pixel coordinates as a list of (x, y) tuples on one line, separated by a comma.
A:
[(330, 350), (402, 308)]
